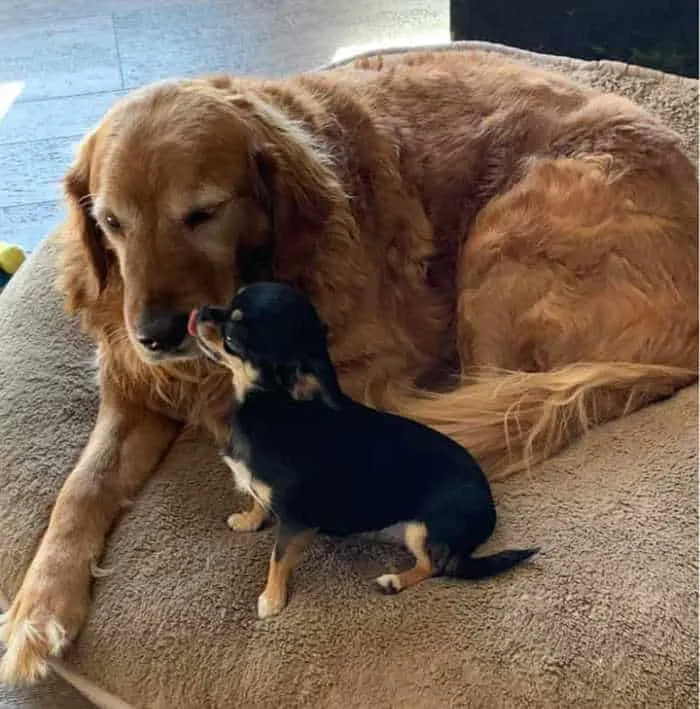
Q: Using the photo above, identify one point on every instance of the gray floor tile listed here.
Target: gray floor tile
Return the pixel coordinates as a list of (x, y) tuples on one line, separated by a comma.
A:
[(55, 118), (60, 58), (266, 37), (291, 41), (32, 172), (21, 12), (28, 224), (182, 40)]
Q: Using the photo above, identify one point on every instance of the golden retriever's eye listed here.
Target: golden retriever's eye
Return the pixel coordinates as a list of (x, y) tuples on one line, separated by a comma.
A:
[(198, 216), (112, 222)]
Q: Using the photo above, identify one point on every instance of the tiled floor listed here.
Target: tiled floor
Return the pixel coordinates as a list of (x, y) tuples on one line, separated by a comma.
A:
[(63, 62)]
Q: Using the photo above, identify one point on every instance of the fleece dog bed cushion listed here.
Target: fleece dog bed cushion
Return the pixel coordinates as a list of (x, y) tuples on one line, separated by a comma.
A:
[(606, 616)]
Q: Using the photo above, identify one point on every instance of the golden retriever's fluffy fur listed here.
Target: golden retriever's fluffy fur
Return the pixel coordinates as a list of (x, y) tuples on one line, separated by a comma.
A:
[(449, 215)]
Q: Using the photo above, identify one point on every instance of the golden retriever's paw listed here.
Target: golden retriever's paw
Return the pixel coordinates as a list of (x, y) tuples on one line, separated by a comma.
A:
[(244, 522), (29, 639), (388, 583), (269, 605), (44, 617)]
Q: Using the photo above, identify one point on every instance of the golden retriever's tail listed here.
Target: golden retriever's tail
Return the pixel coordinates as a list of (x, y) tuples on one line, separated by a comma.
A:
[(512, 420)]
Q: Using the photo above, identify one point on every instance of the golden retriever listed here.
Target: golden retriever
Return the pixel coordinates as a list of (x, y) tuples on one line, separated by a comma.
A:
[(498, 253)]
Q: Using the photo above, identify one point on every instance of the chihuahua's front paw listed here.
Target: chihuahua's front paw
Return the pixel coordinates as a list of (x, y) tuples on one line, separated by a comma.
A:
[(389, 583), (245, 521), (269, 605)]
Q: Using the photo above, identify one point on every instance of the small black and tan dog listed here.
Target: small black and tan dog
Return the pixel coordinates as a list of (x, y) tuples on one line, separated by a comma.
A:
[(319, 461)]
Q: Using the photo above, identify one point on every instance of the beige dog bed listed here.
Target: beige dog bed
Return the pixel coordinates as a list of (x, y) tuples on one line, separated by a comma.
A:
[(605, 617)]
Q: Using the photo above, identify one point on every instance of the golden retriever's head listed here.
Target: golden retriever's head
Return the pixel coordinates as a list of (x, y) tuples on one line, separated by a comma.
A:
[(181, 194)]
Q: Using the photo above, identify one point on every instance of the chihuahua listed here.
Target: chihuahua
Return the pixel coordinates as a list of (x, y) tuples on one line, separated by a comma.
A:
[(318, 461)]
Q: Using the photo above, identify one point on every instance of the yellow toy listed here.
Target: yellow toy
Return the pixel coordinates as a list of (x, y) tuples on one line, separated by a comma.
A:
[(11, 257)]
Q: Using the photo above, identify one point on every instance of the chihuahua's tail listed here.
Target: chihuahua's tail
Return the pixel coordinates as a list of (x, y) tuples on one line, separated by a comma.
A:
[(482, 567)]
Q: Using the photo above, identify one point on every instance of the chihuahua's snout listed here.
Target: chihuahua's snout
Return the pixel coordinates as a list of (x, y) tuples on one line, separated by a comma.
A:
[(205, 314)]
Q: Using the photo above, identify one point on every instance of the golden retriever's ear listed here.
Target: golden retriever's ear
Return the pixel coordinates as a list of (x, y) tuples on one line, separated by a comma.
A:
[(84, 259), (292, 178)]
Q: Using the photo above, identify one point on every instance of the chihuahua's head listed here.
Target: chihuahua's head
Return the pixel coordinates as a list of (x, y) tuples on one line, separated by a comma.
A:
[(270, 337)]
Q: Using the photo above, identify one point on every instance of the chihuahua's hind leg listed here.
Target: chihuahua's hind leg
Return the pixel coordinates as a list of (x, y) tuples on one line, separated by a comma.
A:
[(416, 540)]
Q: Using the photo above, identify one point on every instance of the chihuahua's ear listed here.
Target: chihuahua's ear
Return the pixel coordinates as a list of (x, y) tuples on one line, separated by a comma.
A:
[(301, 386), (303, 383), (305, 386)]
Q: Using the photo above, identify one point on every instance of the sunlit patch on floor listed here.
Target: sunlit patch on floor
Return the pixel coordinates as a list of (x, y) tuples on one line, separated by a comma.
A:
[(419, 39), (9, 91)]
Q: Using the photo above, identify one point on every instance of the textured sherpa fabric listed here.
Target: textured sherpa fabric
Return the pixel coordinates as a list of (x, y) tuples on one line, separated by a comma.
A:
[(606, 616)]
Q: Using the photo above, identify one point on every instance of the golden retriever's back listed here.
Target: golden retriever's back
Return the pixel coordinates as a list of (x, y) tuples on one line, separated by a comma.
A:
[(386, 169)]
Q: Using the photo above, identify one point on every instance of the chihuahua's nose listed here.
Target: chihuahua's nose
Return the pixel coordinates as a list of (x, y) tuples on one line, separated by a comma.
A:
[(205, 313), (210, 314), (161, 330)]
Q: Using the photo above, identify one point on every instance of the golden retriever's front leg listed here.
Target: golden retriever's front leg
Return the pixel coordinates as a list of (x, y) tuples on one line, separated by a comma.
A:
[(52, 603)]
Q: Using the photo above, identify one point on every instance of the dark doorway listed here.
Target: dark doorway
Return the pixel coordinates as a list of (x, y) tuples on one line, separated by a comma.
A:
[(661, 34)]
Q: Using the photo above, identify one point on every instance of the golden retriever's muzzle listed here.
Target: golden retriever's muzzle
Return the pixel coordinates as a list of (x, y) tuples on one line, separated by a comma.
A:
[(161, 331)]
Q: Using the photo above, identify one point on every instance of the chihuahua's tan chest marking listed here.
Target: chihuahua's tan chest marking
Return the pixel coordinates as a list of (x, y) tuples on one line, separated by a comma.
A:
[(246, 482), (243, 374)]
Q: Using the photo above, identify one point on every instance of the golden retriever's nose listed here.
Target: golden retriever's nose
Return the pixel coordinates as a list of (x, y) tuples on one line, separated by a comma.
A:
[(161, 330)]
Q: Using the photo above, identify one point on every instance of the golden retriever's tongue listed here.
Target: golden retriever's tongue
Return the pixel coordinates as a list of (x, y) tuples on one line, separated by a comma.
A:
[(192, 323)]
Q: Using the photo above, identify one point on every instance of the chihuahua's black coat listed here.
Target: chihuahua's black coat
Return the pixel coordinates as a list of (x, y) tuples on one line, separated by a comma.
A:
[(319, 461)]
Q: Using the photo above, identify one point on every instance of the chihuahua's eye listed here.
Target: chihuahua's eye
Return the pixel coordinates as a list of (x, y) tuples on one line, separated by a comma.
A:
[(112, 222), (198, 216)]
